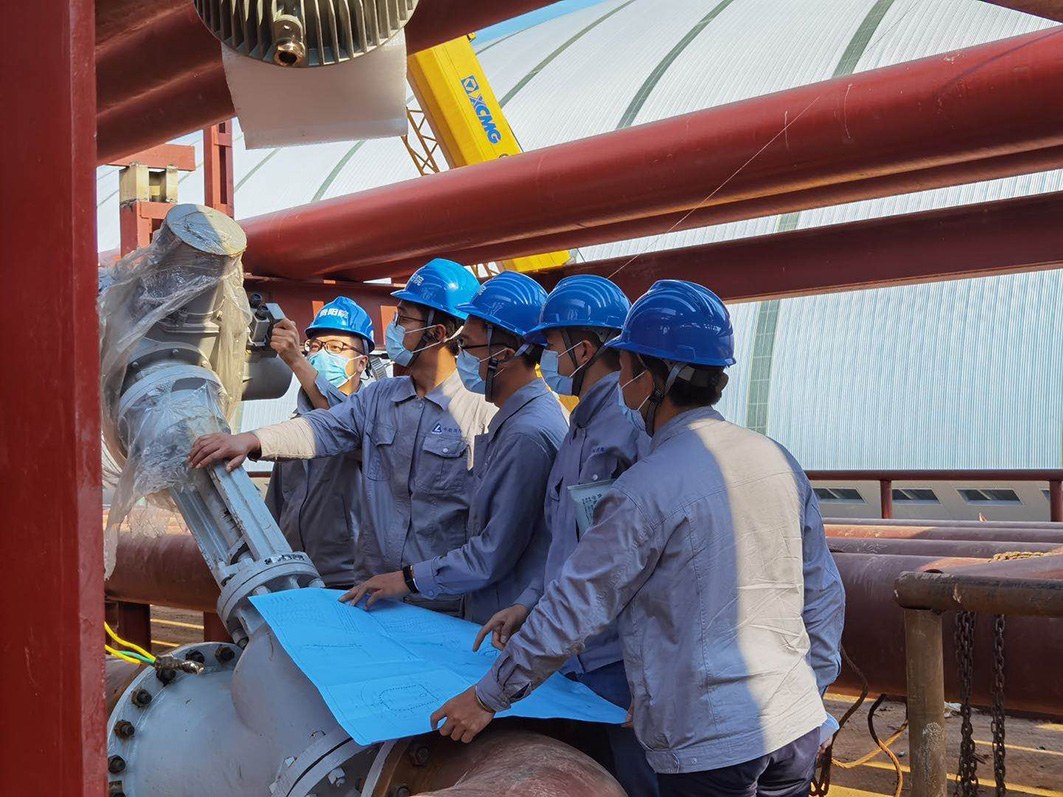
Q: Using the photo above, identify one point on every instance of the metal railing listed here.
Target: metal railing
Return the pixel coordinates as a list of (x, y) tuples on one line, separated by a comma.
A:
[(886, 478), (1027, 588)]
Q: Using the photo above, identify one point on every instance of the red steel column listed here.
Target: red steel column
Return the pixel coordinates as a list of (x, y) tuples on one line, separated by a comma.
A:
[(51, 595), (218, 189), (1055, 501), (951, 111)]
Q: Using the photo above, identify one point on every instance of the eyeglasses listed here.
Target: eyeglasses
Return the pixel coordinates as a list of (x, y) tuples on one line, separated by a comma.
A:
[(331, 346), (402, 318), (463, 346)]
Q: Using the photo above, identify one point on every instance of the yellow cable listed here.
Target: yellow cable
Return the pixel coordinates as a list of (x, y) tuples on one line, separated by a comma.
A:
[(122, 656), (124, 643)]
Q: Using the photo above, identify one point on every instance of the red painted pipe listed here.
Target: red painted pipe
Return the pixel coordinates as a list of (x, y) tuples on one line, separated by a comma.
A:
[(984, 239), (953, 110), (857, 189), (165, 78)]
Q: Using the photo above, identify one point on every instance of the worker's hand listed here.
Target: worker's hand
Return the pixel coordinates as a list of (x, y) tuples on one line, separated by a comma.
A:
[(284, 339), (465, 717), (502, 626), (629, 720), (233, 449), (388, 585)]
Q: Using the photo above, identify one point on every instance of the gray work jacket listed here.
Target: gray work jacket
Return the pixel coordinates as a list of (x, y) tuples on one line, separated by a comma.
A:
[(701, 549), (600, 445), (315, 502), (507, 539), (416, 458)]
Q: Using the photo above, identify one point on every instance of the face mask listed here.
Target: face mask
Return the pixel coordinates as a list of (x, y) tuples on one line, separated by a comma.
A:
[(634, 416), (548, 364), (396, 349), (331, 366), (469, 371)]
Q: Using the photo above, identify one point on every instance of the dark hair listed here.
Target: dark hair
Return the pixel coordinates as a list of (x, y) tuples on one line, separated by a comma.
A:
[(597, 337), (703, 389), (451, 325), (503, 337)]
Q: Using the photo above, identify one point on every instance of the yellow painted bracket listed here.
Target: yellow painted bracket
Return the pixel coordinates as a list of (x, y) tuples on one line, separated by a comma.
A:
[(467, 119)]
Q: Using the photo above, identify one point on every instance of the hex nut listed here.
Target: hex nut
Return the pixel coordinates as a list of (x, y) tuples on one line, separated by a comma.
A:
[(141, 697)]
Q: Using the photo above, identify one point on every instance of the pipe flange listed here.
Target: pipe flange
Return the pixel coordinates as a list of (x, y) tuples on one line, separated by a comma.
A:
[(142, 698), (333, 758), (262, 573)]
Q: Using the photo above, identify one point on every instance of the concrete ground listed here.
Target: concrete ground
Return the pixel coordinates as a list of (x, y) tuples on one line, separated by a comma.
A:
[(1034, 747)]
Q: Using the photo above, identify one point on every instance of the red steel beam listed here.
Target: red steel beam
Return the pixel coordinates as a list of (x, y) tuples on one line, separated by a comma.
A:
[(162, 75), (984, 239), (949, 111), (51, 596), (904, 182), (301, 300), (1048, 9), (180, 156)]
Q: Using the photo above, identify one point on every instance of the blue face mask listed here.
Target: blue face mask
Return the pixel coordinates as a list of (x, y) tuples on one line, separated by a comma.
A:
[(469, 371), (548, 364), (634, 416), (331, 366), (393, 343)]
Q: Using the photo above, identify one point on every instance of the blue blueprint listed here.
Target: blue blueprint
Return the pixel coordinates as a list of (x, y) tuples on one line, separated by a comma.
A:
[(383, 672)]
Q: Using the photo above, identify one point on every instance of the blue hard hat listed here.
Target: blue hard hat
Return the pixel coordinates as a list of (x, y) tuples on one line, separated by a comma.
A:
[(584, 301), (511, 301), (345, 316), (678, 321), (440, 284)]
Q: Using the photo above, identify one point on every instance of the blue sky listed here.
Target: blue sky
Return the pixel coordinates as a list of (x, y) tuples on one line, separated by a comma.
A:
[(532, 18)]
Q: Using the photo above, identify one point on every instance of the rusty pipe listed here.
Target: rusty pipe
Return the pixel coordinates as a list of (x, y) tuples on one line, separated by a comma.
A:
[(168, 570), (955, 110), (1038, 567), (505, 760), (975, 549), (985, 525), (932, 530), (874, 626)]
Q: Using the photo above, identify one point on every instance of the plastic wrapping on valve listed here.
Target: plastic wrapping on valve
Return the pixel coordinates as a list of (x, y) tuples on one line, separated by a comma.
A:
[(176, 304)]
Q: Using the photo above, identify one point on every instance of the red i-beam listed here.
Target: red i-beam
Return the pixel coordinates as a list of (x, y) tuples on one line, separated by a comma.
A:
[(51, 595), (962, 116)]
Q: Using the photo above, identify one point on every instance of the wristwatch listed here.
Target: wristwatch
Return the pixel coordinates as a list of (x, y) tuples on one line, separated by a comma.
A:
[(407, 575)]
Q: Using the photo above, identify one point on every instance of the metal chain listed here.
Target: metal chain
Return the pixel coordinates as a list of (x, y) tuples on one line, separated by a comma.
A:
[(967, 771), (997, 724)]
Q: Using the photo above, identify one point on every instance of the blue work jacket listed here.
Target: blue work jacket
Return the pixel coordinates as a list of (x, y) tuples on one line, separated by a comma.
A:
[(710, 551), (507, 539)]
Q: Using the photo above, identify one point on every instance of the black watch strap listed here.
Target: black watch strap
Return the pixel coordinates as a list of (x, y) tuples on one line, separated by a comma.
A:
[(407, 575)]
